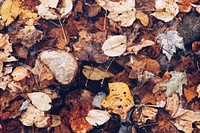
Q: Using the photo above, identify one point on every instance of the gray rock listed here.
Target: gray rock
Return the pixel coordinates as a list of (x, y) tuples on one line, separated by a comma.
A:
[(189, 29)]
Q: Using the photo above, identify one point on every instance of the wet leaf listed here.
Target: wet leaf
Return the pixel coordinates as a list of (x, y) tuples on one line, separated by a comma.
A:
[(97, 117), (119, 100), (94, 73), (115, 46)]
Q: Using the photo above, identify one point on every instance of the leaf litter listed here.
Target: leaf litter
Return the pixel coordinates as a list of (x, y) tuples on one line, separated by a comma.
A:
[(98, 66)]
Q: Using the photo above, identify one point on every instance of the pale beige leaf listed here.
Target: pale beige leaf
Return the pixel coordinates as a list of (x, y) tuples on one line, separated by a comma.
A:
[(94, 73), (50, 3), (136, 48), (34, 116), (148, 113), (56, 12), (120, 11), (97, 117), (40, 100), (182, 118), (166, 10), (115, 46), (198, 90)]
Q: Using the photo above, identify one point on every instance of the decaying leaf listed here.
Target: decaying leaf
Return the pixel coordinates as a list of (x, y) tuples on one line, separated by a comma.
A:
[(136, 48), (77, 120), (56, 120), (62, 64), (120, 11), (89, 46), (183, 118), (115, 46), (34, 116), (40, 100), (97, 117), (141, 64), (166, 10), (28, 36), (20, 73), (119, 100), (5, 53), (172, 85), (148, 113), (54, 9), (42, 71), (94, 73), (169, 41), (144, 19), (186, 5)]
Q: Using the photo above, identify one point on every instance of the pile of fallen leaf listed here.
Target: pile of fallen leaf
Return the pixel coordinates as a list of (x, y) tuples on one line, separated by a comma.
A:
[(98, 66)]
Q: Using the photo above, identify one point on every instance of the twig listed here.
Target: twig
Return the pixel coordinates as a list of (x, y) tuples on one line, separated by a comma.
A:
[(54, 23), (65, 38), (107, 69)]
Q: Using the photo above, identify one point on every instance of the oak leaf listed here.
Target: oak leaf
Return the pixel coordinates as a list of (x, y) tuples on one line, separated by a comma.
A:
[(174, 84)]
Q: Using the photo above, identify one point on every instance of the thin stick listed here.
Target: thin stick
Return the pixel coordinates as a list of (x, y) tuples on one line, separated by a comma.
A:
[(104, 23), (65, 38), (107, 69), (54, 23)]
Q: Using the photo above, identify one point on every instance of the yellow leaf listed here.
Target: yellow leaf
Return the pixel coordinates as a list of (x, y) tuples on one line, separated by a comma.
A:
[(93, 73), (144, 19), (120, 99), (9, 11)]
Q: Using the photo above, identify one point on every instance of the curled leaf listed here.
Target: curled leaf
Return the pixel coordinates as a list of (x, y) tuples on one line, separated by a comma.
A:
[(94, 73), (115, 46)]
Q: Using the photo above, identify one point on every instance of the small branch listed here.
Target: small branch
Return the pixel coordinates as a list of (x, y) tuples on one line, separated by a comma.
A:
[(64, 35)]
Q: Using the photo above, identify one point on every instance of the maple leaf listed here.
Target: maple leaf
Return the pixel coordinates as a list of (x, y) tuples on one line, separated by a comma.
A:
[(172, 85), (169, 41)]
